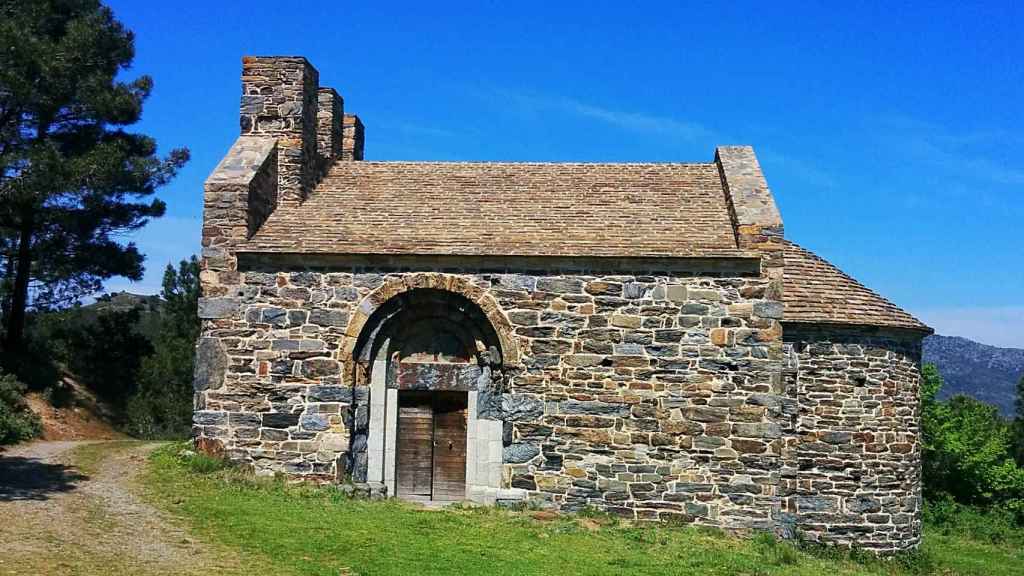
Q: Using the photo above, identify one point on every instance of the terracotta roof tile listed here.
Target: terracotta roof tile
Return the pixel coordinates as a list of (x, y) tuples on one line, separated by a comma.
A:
[(531, 209), (815, 291)]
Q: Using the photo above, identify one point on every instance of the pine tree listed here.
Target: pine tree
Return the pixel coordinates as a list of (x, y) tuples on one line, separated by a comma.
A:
[(72, 179), (162, 407)]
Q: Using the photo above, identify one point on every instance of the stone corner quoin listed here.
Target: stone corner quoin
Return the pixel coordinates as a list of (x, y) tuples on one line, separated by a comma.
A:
[(691, 380)]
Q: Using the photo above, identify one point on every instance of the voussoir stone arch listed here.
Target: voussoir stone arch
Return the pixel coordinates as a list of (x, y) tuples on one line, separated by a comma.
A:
[(436, 281)]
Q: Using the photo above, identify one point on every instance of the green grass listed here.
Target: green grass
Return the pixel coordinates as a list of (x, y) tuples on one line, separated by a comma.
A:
[(303, 530), (88, 457), (968, 541)]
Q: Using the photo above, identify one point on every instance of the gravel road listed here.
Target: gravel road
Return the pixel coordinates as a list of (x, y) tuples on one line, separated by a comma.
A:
[(58, 519)]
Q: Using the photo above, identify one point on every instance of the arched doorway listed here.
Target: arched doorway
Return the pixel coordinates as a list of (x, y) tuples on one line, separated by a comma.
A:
[(432, 361)]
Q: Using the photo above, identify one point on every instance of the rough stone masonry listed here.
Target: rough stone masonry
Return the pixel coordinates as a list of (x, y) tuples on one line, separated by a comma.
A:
[(640, 338)]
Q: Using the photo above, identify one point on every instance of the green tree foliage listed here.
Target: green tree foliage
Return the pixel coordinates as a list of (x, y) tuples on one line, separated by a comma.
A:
[(135, 352), (72, 179), (106, 353), (931, 383), (1018, 423), (17, 422), (967, 452), (162, 406)]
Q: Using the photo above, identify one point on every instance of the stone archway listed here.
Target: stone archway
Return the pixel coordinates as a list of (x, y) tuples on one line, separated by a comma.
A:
[(355, 333), (430, 360)]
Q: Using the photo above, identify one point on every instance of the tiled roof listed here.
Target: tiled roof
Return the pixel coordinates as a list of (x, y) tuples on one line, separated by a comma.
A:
[(541, 209), (530, 209), (815, 291)]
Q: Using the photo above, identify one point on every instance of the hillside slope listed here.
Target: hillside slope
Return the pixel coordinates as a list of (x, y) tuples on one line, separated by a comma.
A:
[(987, 373), (80, 416)]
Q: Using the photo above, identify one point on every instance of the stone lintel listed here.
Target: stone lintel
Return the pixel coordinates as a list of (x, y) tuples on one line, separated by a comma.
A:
[(435, 376)]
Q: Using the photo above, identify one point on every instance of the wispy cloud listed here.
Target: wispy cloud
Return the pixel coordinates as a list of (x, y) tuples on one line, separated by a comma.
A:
[(627, 120), (970, 153), (636, 121), (423, 130), (996, 326), (800, 169), (663, 126), (980, 167)]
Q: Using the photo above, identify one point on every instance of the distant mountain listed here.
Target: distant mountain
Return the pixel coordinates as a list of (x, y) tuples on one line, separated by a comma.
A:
[(120, 301), (148, 306), (987, 373)]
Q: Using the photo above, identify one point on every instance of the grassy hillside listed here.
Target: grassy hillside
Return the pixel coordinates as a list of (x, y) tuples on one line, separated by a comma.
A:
[(303, 530)]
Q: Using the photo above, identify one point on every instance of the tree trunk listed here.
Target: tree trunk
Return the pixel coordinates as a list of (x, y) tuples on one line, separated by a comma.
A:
[(19, 296), (6, 287)]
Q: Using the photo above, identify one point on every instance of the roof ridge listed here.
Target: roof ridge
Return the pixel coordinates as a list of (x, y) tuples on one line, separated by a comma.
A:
[(512, 163)]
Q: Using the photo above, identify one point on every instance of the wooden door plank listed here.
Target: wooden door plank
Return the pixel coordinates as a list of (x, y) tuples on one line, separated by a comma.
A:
[(449, 453), (415, 450)]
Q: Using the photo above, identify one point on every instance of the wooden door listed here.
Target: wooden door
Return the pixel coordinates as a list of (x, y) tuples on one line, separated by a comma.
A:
[(449, 448), (415, 448)]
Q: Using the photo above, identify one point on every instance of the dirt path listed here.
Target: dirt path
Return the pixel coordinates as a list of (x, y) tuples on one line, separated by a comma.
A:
[(65, 511)]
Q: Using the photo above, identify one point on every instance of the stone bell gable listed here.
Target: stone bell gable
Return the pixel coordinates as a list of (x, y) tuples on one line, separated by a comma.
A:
[(641, 338)]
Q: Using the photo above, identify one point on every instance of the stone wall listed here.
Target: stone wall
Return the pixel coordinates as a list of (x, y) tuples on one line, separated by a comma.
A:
[(237, 198), (853, 460), (652, 395)]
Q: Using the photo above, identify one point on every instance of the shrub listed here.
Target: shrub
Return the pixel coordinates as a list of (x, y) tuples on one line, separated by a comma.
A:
[(968, 451), (17, 421), (996, 525), (200, 463)]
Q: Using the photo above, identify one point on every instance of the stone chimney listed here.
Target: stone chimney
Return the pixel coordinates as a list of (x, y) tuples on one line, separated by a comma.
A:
[(352, 138), (280, 100), (328, 131), (291, 132)]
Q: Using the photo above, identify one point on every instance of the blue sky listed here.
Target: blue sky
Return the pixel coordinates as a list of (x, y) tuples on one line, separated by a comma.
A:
[(892, 136)]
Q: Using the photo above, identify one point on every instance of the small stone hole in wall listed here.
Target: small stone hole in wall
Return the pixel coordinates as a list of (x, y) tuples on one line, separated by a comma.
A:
[(606, 362)]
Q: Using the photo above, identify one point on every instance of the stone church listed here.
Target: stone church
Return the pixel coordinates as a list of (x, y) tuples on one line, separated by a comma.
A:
[(639, 338)]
